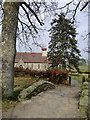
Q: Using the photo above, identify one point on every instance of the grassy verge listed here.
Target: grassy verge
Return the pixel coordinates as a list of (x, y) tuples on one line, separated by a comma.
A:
[(19, 84), (78, 77), (83, 68), (23, 82)]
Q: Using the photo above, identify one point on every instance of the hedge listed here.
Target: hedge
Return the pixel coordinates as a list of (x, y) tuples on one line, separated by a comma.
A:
[(55, 75)]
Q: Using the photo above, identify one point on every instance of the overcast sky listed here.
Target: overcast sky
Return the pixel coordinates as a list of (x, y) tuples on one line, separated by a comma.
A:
[(82, 29)]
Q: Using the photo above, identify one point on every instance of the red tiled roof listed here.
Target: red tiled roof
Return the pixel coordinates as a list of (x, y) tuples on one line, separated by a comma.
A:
[(29, 57)]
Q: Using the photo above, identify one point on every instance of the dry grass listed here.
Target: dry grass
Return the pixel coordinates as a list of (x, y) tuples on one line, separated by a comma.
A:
[(19, 84), (23, 82)]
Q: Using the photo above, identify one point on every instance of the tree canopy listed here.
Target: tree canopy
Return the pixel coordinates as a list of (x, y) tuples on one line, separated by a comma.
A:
[(63, 45)]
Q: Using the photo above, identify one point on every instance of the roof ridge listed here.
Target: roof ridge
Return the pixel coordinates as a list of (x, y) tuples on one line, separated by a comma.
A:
[(28, 52)]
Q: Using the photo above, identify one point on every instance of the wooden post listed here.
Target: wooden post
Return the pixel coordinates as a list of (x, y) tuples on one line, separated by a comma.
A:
[(88, 76), (83, 79), (69, 80)]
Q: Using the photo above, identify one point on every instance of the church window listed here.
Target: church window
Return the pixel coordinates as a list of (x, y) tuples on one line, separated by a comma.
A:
[(20, 66), (45, 66), (32, 66), (59, 66), (38, 66)]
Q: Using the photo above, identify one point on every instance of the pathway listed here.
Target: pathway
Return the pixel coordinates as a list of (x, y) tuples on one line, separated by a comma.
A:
[(57, 103)]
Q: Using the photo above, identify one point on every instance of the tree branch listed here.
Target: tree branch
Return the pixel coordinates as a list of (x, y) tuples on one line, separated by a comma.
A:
[(75, 11), (32, 12), (85, 5), (66, 4), (29, 19), (24, 24)]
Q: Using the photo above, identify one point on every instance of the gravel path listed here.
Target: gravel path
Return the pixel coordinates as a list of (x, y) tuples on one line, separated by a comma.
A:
[(57, 103)]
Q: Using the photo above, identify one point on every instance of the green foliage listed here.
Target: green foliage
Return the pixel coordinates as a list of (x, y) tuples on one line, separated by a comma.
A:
[(78, 77), (63, 45), (83, 68), (82, 61)]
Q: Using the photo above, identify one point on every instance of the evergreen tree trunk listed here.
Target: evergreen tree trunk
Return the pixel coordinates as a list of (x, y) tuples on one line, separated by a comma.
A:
[(64, 65), (63, 53), (8, 37)]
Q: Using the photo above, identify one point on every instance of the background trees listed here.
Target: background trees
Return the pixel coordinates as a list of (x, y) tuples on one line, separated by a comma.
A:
[(82, 61), (63, 45)]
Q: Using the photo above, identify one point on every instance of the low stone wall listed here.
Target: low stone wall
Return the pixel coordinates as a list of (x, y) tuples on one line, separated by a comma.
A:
[(35, 89), (84, 102)]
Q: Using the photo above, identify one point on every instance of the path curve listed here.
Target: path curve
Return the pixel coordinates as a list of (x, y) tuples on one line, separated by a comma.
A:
[(57, 103)]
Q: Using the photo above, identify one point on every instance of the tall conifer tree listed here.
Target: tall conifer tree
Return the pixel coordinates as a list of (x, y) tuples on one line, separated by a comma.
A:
[(63, 45)]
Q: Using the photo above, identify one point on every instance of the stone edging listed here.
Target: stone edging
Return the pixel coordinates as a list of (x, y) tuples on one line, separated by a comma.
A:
[(84, 98)]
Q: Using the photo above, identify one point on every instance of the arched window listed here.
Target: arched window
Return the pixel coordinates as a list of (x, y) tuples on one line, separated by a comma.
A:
[(20, 66), (59, 66), (38, 66), (32, 66), (45, 66)]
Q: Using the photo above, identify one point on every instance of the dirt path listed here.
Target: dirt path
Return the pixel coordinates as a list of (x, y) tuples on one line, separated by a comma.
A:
[(58, 103)]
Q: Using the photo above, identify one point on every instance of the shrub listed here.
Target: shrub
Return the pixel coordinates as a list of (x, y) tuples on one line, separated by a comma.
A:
[(56, 75)]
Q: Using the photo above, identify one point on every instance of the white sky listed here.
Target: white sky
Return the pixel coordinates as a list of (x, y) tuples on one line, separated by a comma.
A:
[(82, 29)]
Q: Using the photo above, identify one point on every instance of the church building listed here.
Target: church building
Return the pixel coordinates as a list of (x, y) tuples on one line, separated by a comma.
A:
[(33, 60)]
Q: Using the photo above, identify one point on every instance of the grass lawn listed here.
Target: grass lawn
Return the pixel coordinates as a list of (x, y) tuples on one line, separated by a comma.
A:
[(83, 68), (78, 76)]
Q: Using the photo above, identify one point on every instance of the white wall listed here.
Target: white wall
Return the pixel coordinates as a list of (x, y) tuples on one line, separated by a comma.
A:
[(33, 66)]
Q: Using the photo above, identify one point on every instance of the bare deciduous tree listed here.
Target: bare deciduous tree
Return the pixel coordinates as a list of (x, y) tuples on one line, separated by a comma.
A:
[(22, 26)]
